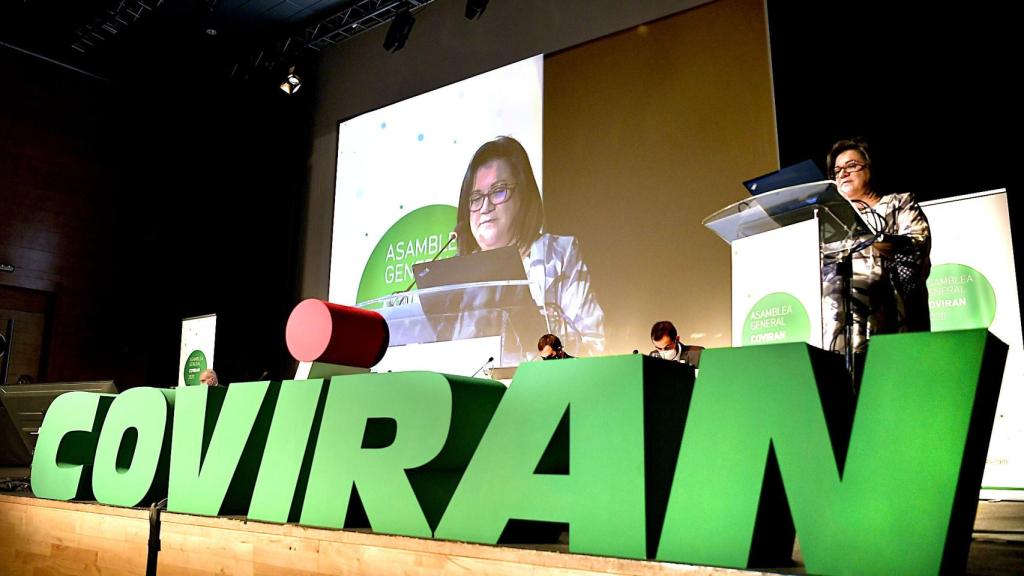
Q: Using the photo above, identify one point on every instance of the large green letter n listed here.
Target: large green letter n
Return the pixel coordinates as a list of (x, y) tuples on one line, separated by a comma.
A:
[(903, 499)]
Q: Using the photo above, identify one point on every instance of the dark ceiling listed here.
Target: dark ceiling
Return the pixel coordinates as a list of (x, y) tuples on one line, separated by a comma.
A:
[(211, 39), (919, 76)]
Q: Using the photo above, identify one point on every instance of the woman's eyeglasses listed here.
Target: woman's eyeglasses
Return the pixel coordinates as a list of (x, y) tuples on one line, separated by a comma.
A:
[(498, 194), (850, 167)]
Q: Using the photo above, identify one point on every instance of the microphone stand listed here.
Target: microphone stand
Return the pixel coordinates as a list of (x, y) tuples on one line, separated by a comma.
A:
[(451, 238), (489, 360), (845, 269)]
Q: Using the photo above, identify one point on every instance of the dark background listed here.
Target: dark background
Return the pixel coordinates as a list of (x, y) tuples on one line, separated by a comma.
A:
[(133, 206), (928, 86)]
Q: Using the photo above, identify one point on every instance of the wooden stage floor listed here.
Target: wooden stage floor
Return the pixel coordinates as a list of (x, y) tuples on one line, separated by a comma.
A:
[(47, 537)]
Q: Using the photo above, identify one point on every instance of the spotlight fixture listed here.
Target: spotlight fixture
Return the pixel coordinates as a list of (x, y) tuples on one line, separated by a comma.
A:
[(399, 30), (292, 82), (475, 8)]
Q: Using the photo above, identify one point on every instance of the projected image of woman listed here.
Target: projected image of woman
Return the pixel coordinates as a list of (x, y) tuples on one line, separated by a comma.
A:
[(500, 206)]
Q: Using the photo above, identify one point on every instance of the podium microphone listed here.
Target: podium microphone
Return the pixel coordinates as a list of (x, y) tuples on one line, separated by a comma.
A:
[(451, 238), (489, 360)]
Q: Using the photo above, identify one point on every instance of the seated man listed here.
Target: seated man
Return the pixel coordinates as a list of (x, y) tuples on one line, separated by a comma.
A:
[(550, 348), (668, 347), (208, 377)]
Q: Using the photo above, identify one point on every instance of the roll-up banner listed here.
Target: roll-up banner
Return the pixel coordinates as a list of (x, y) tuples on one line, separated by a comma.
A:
[(198, 336)]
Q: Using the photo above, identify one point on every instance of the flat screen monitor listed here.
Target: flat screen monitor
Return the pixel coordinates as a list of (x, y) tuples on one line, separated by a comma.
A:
[(23, 408)]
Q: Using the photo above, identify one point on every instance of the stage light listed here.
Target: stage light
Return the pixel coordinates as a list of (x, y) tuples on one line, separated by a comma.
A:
[(292, 82), (399, 30), (475, 8)]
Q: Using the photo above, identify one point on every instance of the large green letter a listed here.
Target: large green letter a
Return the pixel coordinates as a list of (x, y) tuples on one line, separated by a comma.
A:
[(610, 403)]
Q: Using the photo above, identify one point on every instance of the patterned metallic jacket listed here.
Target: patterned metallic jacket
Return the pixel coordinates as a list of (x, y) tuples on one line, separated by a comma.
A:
[(560, 283), (889, 292)]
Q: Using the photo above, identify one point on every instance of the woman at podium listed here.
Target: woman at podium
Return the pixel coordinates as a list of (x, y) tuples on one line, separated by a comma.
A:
[(500, 205), (888, 287)]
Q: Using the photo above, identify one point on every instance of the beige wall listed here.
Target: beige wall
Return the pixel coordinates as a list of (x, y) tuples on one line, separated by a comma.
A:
[(646, 132)]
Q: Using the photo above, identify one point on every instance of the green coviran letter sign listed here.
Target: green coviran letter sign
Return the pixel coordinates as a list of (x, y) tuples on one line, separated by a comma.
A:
[(631, 453)]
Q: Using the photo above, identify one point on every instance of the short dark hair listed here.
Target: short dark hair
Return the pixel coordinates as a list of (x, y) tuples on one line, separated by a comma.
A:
[(549, 340), (662, 329), (858, 144), (529, 220)]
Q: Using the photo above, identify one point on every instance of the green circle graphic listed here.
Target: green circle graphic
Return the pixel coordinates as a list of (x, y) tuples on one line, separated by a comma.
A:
[(960, 298), (194, 366), (416, 237), (778, 317)]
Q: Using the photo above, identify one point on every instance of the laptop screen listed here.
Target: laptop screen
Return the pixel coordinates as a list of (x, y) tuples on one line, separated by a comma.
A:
[(490, 265), (803, 173)]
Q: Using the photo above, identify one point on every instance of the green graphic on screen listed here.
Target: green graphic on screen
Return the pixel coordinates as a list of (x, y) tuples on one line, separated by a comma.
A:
[(776, 318), (194, 366), (960, 298), (416, 237)]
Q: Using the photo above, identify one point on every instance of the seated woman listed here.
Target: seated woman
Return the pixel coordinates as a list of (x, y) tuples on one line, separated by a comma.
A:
[(500, 206), (888, 287)]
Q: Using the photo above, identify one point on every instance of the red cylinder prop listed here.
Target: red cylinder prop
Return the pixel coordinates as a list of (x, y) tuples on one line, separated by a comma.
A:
[(320, 331)]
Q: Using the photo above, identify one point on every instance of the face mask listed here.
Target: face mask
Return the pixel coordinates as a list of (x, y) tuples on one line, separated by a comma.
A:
[(669, 354)]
